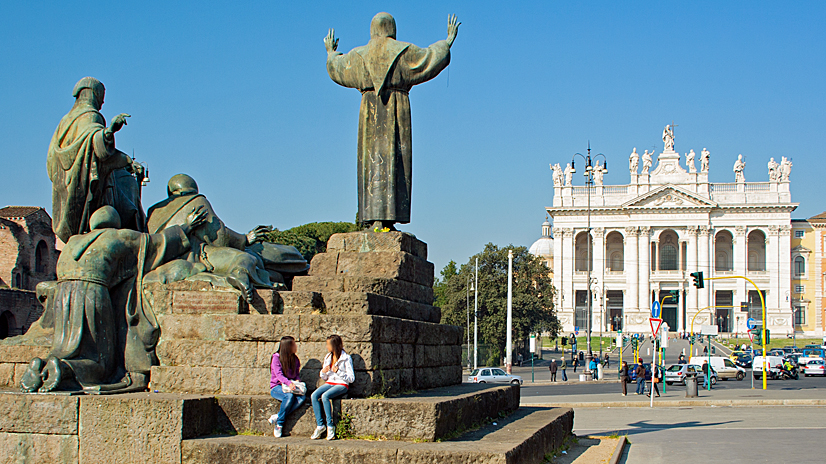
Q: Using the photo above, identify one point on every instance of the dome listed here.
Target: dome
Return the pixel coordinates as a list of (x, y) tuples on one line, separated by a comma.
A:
[(543, 248)]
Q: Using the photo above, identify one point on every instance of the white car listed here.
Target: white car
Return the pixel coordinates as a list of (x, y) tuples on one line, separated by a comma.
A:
[(773, 366), (724, 367), (815, 367), (493, 375)]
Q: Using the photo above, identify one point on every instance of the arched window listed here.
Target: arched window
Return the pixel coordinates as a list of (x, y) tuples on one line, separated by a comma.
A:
[(723, 251), (41, 257), (799, 266), (668, 257), (18, 281), (757, 251), (584, 248), (7, 324), (615, 251), (617, 261)]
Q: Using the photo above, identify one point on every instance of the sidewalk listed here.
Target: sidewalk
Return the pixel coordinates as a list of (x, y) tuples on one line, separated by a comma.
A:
[(676, 398)]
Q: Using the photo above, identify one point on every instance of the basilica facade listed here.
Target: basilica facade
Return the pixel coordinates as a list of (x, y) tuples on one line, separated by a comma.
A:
[(646, 237)]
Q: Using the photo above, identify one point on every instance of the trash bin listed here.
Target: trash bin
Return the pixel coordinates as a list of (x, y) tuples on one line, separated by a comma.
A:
[(583, 377), (691, 386)]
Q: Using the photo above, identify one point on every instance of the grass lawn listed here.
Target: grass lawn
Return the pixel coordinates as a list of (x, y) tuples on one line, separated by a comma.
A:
[(582, 343)]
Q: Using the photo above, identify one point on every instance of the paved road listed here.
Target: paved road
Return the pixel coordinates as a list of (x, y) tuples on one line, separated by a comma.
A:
[(731, 435)]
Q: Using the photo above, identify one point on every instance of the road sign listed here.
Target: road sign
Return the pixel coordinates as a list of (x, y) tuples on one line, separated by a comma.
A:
[(655, 310), (751, 337), (655, 325), (576, 330), (533, 343), (751, 323), (708, 330)]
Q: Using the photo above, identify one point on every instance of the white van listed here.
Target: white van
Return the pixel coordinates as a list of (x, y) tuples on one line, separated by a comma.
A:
[(724, 367), (773, 365)]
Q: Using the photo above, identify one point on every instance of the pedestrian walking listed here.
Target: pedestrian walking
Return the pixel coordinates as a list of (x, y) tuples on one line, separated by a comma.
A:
[(607, 361), (655, 381), (707, 371), (623, 374), (553, 367), (576, 364), (682, 360), (640, 372), (563, 367)]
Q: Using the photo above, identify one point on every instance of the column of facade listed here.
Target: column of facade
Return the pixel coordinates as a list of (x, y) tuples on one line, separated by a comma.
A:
[(691, 266), (740, 246), (558, 270), (774, 297), (630, 301), (568, 302), (598, 273), (784, 311), (704, 264), (645, 271)]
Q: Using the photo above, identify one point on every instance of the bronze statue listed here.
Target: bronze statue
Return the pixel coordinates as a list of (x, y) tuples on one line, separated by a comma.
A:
[(216, 249), (86, 169), (104, 332), (384, 71)]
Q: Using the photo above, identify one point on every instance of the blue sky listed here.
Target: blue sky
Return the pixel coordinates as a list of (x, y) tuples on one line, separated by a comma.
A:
[(237, 95)]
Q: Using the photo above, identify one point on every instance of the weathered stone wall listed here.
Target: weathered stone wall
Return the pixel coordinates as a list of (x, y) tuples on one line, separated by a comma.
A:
[(19, 310), (19, 238)]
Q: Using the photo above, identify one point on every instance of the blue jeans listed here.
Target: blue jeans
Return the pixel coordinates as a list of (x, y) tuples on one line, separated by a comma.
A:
[(289, 403), (322, 397), (640, 384), (564, 376)]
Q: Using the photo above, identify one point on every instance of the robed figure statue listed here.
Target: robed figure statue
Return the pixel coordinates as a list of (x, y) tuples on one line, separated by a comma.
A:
[(384, 71), (86, 169)]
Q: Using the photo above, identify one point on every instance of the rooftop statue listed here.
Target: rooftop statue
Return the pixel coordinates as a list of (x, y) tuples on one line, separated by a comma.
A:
[(634, 161), (104, 331), (86, 169), (739, 167), (384, 71), (216, 250), (704, 160), (668, 137), (647, 161)]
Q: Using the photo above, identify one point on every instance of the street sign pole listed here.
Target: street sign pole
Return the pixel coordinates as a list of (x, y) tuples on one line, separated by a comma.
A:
[(655, 322)]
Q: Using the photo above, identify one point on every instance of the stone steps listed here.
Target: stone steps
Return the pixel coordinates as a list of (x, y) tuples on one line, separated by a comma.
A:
[(524, 437)]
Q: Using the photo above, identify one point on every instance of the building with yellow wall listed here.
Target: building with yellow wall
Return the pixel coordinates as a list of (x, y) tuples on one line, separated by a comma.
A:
[(807, 263)]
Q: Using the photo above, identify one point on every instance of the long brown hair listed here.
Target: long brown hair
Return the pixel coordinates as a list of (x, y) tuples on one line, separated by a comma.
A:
[(286, 355), (338, 346)]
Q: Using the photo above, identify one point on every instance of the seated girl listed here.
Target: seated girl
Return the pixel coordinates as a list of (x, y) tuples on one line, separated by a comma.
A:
[(284, 381), (337, 372)]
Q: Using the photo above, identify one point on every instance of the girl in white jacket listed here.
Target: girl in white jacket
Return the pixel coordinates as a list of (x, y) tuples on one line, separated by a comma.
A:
[(337, 371)]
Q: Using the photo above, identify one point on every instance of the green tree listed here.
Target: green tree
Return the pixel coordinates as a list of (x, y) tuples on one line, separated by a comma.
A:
[(440, 286), (532, 296), (310, 239)]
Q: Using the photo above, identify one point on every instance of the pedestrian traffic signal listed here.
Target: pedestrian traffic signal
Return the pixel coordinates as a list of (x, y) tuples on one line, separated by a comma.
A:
[(698, 279), (768, 336), (564, 341), (757, 338)]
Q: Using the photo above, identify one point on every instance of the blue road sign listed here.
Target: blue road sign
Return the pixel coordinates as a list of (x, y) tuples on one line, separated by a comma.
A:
[(751, 323), (655, 310), (576, 330)]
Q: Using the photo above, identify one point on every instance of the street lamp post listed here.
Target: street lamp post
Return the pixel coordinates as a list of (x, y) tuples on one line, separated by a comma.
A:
[(476, 318), (508, 336), (589, 182)]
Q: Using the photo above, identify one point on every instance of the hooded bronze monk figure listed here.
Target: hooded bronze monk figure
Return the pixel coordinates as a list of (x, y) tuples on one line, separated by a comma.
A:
[(384, 71)]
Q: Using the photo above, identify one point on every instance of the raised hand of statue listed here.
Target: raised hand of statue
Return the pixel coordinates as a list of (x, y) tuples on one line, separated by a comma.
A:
[(258, 234), (452, 29), (195, 219), (119, 122), (331, 42)]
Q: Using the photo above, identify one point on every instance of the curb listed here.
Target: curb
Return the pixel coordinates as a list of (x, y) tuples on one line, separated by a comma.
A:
[(680, 403), (618, 450)]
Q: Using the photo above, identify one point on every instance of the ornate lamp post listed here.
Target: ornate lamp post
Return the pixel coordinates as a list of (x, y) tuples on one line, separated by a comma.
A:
[(589, 183)]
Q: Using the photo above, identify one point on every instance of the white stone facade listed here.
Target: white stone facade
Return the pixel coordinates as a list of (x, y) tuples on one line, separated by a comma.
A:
[(649, 235)]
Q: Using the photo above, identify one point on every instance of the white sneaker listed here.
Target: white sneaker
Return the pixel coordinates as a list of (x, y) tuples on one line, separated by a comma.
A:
[(277, 431), (272, 419), (331, 433), (317, 434)]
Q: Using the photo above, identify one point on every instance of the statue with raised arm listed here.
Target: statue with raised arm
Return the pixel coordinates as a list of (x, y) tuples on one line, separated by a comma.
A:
[(704, 160), (647, 161), (739, 167), (668, 138), (634, 161), (384, 71), (86, 169), (689, 161), (557, 175), (598, 173)]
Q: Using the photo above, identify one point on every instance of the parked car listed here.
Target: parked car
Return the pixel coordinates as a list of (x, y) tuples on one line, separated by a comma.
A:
[(773, 366), (777, 352), (632, 372), (493, 375), (815, 367), (676, 373), (810, 354), (792, 349), (724, 367), (736, 354)]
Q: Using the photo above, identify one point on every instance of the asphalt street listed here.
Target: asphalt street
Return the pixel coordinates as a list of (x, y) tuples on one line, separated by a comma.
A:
[(724, 434)]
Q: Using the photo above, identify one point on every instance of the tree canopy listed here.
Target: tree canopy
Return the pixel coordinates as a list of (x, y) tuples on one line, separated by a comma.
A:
[(532, 309), (311, 239)]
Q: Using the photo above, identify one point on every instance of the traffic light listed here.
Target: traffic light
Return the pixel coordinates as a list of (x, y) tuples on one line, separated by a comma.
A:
[(675, 295), (768, 336), (564, 341), (698, 279), (758, 339)]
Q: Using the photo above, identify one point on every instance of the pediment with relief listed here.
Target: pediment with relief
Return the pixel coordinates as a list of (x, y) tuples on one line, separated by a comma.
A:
[(669, 197)]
